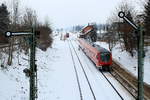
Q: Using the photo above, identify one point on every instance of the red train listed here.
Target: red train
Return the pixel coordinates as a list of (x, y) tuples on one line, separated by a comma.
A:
[(100, 56), (67, 35)]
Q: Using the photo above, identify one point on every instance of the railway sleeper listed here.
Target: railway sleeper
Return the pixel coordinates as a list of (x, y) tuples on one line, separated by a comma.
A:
[(128, 85), (106, 68), (125, 84)]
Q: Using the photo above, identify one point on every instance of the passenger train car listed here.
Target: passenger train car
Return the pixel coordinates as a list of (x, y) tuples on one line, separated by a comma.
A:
[(101, 57)]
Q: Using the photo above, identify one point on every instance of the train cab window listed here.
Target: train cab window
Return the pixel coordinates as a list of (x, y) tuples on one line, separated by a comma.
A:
[(105, 57)]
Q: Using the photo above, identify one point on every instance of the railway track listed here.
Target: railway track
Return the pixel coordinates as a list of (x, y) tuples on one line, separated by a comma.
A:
[(112, 85), (104, 75), (124, 82), (76, 73), (129, 81), (83, 70), (123, 85)]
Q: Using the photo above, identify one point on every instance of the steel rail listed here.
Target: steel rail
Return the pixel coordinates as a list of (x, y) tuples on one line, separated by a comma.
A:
[(108, 81), (76, 73), (94, 97)]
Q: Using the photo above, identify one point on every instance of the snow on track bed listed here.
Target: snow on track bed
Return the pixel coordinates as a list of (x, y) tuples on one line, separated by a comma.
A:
[(89, 66), (84, 74), (129, 81), (105, 75), (56, 77), (77, 77)]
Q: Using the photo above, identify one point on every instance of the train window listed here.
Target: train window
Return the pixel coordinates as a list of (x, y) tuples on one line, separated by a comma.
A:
[(97, 56), (105, 57)]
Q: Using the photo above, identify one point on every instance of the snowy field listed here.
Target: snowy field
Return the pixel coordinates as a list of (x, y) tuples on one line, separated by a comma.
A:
[(56, 77), (14, 85)]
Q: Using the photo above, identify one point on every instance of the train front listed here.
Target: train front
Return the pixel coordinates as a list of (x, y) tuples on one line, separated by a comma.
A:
[(104, 57)]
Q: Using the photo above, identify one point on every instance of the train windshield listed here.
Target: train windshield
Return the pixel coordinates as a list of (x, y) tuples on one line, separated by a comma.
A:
[(105, 56)]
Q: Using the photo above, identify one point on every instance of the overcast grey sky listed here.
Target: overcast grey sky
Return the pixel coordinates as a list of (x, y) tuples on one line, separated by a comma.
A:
[(66, 13)]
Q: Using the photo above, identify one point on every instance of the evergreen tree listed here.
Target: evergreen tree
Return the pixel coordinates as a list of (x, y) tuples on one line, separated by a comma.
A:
[(4, 22), (4, 18), (147, 18)]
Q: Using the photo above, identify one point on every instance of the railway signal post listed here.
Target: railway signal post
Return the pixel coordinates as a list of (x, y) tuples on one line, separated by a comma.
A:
[(140, 40), (33, 68)]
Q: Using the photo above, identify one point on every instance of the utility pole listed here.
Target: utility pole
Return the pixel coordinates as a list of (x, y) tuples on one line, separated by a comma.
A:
[(140, 40), (140, 64), (32, 72), (33, 68)]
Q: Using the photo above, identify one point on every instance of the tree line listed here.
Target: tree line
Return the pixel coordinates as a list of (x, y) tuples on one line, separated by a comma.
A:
[(116, 30), (13, 19), (119, 31)]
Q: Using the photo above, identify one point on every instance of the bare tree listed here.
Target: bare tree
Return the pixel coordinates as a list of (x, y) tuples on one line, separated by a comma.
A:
[(29, 18), (46, 39), (121, 28), (13, 27)]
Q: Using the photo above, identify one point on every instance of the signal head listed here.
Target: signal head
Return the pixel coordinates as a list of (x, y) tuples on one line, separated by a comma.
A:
[(121, 14), (8, 34)]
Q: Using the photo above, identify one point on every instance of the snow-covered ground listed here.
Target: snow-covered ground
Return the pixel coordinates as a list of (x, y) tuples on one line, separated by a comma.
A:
[(128, 62), (56, 77), (14, 85)]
